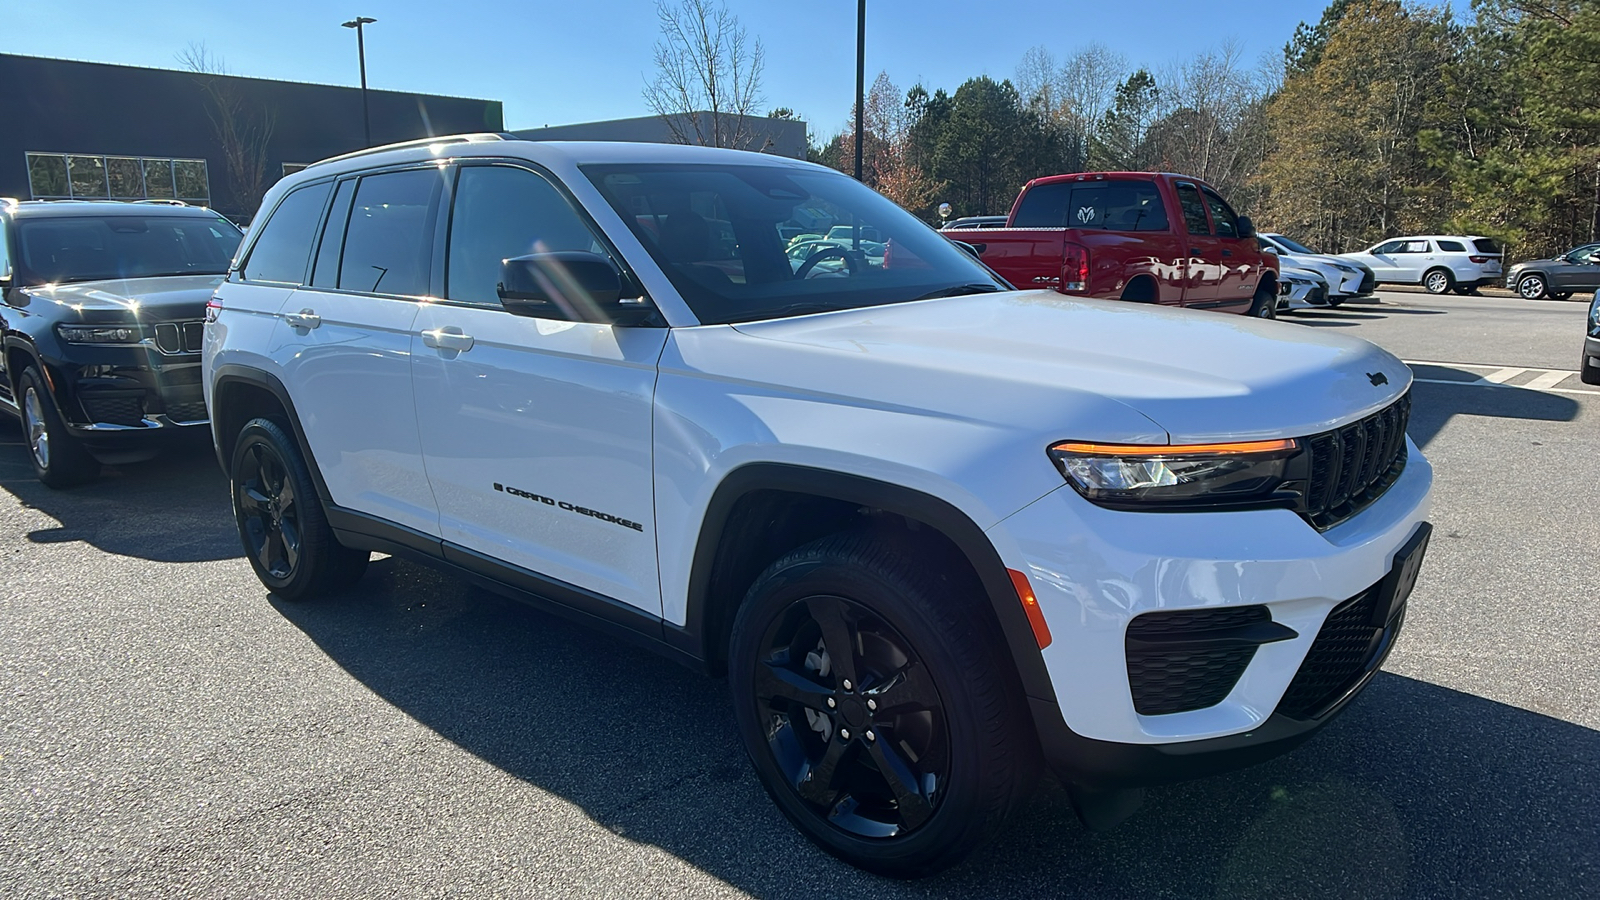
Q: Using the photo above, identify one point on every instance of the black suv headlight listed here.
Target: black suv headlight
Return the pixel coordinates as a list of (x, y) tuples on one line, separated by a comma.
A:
[(100, 334), (1195, 476)]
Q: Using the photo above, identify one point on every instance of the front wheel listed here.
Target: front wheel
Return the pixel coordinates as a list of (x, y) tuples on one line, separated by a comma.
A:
[(870, 694), (1561, 295), (59, 459), (1531, 287), (1438, 281), (281, 522), (1264, 305)]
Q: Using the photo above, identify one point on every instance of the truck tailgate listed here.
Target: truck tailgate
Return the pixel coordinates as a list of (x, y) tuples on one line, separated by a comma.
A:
[(1026, 257)]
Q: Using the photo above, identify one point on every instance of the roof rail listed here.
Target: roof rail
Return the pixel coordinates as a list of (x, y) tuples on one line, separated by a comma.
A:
[(8, 201), (164, 202), (420, 142)]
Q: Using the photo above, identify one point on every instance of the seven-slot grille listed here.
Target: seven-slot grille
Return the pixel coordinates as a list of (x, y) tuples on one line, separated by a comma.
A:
[(1352, 466), (180, 337)]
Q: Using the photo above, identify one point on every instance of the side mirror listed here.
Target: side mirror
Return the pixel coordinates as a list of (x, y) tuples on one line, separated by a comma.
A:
[(570, 285), (1247, 228), (1268, 248)]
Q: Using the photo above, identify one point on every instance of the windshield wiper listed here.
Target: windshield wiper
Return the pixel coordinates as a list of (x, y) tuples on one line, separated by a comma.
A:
[(960, 290)]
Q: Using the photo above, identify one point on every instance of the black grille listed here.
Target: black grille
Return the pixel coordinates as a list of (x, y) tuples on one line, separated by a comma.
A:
[(180, 337), (1368, 282), (1345, 650), (1170, 668), (187, 412), (114, 410), (1352, 466)]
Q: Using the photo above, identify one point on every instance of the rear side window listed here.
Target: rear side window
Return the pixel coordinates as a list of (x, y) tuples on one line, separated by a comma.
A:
[(1486, 245), (1109, 205), (1452, 247), (388, 248), (1222, 214), (1194, 209), (500, 213), (281, 253), (1413, 247)]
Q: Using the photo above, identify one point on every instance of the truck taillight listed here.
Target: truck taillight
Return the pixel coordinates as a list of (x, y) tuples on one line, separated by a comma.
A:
[(213, 308), (1075, 268)]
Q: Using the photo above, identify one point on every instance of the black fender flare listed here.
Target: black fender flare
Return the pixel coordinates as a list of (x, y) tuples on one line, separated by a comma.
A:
[(233, 373), (925, 508)]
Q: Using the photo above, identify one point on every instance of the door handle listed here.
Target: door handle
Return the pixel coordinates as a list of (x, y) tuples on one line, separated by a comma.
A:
[(305, 318), (447, 338)]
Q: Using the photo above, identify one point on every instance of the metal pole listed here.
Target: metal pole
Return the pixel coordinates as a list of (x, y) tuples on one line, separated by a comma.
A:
[(861, 78), (366, 112)]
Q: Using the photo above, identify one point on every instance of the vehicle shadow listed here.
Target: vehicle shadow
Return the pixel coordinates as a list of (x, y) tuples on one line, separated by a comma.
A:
[(1416, 791), (1433, 404), (174, 508)]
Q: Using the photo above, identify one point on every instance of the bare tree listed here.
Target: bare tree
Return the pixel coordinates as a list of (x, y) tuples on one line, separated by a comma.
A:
[(707, 87), (244, 132)]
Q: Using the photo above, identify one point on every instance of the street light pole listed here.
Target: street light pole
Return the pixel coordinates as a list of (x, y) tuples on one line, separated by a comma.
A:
[(361, 51), (861, 77)]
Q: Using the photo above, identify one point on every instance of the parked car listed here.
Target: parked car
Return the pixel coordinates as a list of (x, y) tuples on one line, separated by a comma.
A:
[(1589, 365), (1576, 270), (1301, 287), (1347, 278), (1438, 263), (1167, 239), (102, 321), (932, 529), (972, 223)]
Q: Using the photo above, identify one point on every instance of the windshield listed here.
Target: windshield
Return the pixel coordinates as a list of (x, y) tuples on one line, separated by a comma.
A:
[(763, 241), (1292, 245), (91, 248)]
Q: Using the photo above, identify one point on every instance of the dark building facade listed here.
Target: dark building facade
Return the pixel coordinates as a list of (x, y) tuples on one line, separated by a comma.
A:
[(77, 129)]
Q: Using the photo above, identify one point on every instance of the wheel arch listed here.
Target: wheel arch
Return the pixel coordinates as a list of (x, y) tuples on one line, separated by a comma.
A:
[(241, 393), (720, 573), (1142, 288)]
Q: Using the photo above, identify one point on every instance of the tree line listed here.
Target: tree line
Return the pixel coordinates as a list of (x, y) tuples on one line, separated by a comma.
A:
[(1382, 118)]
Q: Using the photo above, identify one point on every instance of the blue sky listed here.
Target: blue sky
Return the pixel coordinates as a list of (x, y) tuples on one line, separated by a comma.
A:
[(559, 62)]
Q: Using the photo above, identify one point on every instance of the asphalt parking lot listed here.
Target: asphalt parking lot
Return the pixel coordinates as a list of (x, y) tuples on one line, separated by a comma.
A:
[(167, 729)]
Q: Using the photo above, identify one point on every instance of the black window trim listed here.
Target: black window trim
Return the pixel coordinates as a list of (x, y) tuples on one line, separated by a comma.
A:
[(433, 267)]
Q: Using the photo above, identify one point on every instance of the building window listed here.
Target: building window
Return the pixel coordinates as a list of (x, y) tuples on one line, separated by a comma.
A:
[(291, 168), (64, 176)]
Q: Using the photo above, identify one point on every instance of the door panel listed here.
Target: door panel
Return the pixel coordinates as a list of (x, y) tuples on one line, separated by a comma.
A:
[(538, 443), (1237, 281), (1205, 260)]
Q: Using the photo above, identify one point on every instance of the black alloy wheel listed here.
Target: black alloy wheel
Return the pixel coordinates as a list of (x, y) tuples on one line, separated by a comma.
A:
[(281, 522), (855, 723), (878, 703)]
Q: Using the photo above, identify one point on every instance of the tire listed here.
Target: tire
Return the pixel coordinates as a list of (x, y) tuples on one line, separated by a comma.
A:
[(281, 522), (1264, 305), (59, 459), (928, 647), (1561, 295), (1336, 301), (1532, 287), (1438, 281)]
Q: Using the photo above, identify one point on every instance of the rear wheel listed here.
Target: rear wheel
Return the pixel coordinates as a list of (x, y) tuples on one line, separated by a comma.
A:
[(281, 523), (1531, 287), (1438, 281), (59, 459), (1561, 295), (870, 694), (1264, 305)]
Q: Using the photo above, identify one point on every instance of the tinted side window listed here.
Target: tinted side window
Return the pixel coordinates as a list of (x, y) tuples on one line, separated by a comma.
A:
[(1044, 206), (1194, 209), (1389, 247), (284, 248), (1222, 214), (325, 273), (1486, 245), (388, 248), (502, 212), (1452, 246), (5, 249)]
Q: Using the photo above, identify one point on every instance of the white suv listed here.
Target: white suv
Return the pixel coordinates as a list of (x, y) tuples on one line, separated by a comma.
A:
[(935, 531), (1440, 263)]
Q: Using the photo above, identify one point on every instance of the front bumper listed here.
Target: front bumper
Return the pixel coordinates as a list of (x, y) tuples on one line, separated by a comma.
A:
[(1591, 351), (128, 396), (1095, 570)]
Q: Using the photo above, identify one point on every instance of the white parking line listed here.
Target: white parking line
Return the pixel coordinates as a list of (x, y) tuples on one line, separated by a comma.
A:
[(1547, 380), (1544, 382), (1501, 376)]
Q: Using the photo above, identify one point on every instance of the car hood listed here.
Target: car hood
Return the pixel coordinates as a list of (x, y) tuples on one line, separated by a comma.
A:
[(1325, 258), (127, 299), (1058, 367)]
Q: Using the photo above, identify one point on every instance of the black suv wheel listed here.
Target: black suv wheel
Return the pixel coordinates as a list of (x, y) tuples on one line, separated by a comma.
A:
[(870, 695), (59, 460), (281, 523)]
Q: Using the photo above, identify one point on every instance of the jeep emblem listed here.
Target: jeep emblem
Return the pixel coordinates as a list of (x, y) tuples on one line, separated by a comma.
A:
[(1377, 378)]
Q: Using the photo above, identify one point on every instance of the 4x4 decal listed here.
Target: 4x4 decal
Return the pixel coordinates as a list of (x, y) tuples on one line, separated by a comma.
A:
[(569, 507)]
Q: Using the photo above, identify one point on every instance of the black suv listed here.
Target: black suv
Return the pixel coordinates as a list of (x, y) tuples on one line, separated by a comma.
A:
[(102, 324)]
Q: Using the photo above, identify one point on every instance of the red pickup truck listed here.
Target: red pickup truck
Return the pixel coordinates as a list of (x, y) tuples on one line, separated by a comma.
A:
[(1155, 238)]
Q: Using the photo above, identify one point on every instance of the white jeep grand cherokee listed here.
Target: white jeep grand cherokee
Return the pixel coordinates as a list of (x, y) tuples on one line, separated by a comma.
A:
[(936, 532)]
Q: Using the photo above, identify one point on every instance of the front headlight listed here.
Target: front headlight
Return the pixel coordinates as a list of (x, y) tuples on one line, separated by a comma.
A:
[(1196, 476), (100, 334)]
